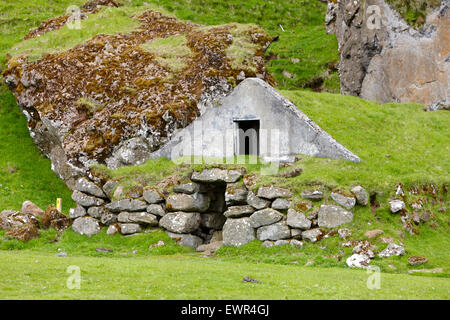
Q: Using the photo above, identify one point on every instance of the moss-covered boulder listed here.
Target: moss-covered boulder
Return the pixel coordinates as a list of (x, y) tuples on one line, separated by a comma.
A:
[(114, 84)]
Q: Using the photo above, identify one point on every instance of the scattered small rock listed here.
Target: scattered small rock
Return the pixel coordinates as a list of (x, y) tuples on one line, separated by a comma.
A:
[(392, 250), (344, 233), (62, 255), (103, 250), (160, 243), (248, 279), (415, 260), (358, 261), (372, 234), (396, 205), (312, 195)]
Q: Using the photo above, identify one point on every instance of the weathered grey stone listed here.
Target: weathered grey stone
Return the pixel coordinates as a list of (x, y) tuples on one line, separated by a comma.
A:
[(156, 209), (376, 53), (86, 226), (275, 231), (108, 188), (257, 202), (152, 195), (138, 217), (108, 218), (29, 207), (216, 236), (268, 244), (97, 212), (181, 222), (213, 220), (186, 240), (297, 220), (347, 201), (281, 204), (364, 247), (361, 195), (280, 243), (198, 202), (333, 216), (296, 233), (239, 211), (216, 176), (129, 228), (312, 235), (344, 233), (358, 261), (296, 243), (392, 250), (189, 188), (113, 229), (77, 212), (127, 205), (86, 200), (396, 205), (237, 232), (10, 219), (253, 98), (265, 217), (273, 192), (235, 195), (372, 234), (86, 186), (312, 194)]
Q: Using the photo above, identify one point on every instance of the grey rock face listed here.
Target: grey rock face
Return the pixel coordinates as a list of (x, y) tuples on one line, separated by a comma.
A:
[(312, 195), (361, 195), (152, 195), (277, 231), (86, 226), (186, 240), (268, 244), (273, 192), (185, 202), (127, 205), (86, 200), (281, 204), (181, 222), (237, 232), (97, 212), (235, 195), (138, 217), (296, 233), (347, 202), (216, 176), (213, 220), (312, 235), (77, 212), (129, 228), (377, 48), (113, 229), (265, 217), (239, 211), (86, 186), (333, 216), (298, 220), (156, 209), (257, 202)]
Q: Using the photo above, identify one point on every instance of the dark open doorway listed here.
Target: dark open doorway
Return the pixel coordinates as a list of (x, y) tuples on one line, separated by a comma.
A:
[(248, 137)]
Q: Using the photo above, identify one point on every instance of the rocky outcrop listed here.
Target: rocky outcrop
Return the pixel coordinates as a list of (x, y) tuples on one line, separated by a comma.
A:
[(382, 58)]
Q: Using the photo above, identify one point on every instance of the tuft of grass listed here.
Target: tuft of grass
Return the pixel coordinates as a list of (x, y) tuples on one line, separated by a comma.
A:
[(171, 52)]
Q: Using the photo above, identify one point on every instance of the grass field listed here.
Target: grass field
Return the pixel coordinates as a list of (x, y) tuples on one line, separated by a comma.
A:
[(42, 276)]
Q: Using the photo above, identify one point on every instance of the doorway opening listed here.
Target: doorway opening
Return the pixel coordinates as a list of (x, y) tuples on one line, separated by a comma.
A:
[(247, 137)]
